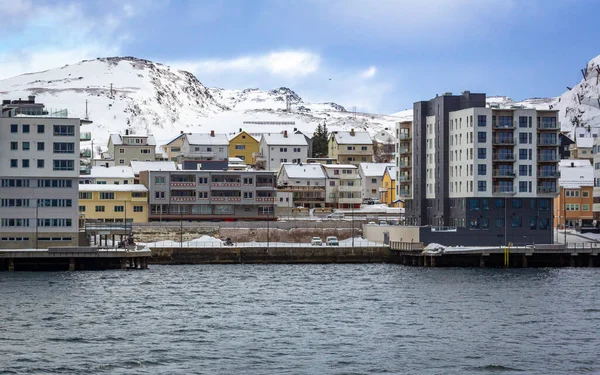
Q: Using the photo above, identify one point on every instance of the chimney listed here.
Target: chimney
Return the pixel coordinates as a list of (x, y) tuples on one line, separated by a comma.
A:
[(31, 98), (352, 132), (285, 133), (181, 132), (126, 131), (295, 129), (572, 164), (212, 133), (240, 130)]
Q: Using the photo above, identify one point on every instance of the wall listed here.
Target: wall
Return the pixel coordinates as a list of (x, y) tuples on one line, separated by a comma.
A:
[(250, 147), (375, 233), (121, 199)]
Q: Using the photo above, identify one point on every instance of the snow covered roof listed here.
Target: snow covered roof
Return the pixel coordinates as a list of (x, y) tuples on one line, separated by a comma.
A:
[(117, 139), (374, 169), (207, 139), (174, 139), (586, 142), (359, 138), (392, 171), (277, 139), (111, 172), (306, 170), (138, 166), (575, 173), (338, 166), (384, 136), (137, 188)]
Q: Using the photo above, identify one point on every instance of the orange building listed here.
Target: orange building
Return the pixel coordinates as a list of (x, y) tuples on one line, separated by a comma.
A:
[(573, 207)]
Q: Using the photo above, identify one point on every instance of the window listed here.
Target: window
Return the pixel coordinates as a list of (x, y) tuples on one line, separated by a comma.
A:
[(523, 154), (159, 195), (25, 128), (364, 148), (544, 204), (499, 222), (14, 128), (522, 187), (41, 129), (159, 180), (41, 146), (40, 163), (474, 223), (145, 151), (481, 120), (474, 204), (585, 194), (107, 195), (25, 163), (532, 204), (175, 149), (373, 180), (138, 208), (14, 163), (64, 147), (517, 203), (63, 165), (522, 121), (81, 208), (481, 153), (500, 203), (585, 207), (14, 145), (481, 169), (516, 221), (544, 223), (119, 208), (25, 146), (532, 222), (15, 222), (121, 161), (481, 137), (481, 186), (99, 208), (121, 151), (85, 195), (283, 149), (522, 138), (64, 130), (522, 170), (240, 147)]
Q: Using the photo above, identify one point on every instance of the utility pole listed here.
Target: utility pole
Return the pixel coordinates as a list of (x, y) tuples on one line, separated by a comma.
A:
[(86, 110), (37, 205)]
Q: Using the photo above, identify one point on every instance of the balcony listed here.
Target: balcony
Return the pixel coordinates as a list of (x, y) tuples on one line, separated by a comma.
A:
[(85, 136), (85, 153), (549, 126), (404, 136), (503, 126), (503, 157), (404, 150), (346, 188), (553, 175), (258, 156), (300, 188), (183, 199), (500, 141), (187, 184), (225, 184), (498, 173), (202, 154), (404, 178), (503, 190), (349, 200), (404, 192), (234, 199), (549, 190), (404, 165), (548, 158), (266, 199), (548, 143)]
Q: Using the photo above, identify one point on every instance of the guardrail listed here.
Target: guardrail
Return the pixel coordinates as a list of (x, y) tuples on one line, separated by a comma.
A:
[(358, 243)]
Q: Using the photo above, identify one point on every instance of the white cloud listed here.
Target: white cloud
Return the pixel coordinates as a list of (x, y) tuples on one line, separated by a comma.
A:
[(369, 73), (292, 63)]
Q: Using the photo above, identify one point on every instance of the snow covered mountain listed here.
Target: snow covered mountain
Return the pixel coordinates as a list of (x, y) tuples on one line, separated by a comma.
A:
[(119, 93)]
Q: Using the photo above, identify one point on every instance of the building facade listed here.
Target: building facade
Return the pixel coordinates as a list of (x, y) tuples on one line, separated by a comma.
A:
[(343, 188), (574, 206), (388, 188), (39, 175), (276, 149), (210, 195), (243, 146), (205, 146), (113, 203), (123, 149), (172, 149), (351, 147), (491, 170), (305, 181)]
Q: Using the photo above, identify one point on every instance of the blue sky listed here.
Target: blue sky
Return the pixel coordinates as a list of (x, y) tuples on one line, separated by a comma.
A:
[(379, 56)]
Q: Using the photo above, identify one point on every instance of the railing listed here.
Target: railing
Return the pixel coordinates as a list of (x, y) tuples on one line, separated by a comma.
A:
[(503, 141), (301, 188), (347, 243), (206, 154), (501, 173), (547, 190), (404, 136), (503, 126), (225, 184), (503, 157), (235, 199), (549, 143), (266, 199), (405, 193), (183, 184), (182, 199), (404, 178), (85, 153), (404, 165), (548, 158), (548, 174), (268, 185), (553, 126), (404, 150), (85, 136), (503, 190)]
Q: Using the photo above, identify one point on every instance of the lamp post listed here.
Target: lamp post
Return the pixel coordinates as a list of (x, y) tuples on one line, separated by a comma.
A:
[(180, 225)]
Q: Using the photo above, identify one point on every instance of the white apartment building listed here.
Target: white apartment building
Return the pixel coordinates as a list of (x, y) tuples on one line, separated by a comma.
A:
[(205, 146), (305, 181), (596, 164), (275, 149), (371, 175), (39, 172), (117, 175), (343, 187)]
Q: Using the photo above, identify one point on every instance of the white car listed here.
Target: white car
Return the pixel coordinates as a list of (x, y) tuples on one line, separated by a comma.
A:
[(336, 215), (316, 241), (332, 241)]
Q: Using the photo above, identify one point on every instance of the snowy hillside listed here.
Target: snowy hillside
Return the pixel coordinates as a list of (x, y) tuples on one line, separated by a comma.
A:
[(148, 97)]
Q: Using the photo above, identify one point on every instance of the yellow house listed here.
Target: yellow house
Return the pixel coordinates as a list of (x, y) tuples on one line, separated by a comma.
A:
[(388, 187), (173, 148), (113, 203), (243, 146)]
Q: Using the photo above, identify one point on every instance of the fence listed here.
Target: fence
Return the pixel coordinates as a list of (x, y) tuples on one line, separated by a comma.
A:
[(358, 243), (300, 224)]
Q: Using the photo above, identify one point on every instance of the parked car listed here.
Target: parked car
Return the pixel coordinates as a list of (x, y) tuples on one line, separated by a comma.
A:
[(383, 222), (371, 201), (332, 241), (371, 223), (316, 241), (336, 215)]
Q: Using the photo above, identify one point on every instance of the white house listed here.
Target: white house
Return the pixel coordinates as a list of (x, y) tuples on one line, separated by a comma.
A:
[(306, 181), (371, 175), (275, 149), (343, 187), (205, 146)]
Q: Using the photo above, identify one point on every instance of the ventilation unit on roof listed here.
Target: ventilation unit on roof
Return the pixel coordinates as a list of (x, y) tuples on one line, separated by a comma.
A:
[(447, 93)]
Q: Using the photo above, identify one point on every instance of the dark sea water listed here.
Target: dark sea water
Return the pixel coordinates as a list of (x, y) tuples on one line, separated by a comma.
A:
[(301, 319)]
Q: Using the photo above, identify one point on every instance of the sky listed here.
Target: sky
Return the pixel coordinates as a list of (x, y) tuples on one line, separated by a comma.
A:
[(379, 56)]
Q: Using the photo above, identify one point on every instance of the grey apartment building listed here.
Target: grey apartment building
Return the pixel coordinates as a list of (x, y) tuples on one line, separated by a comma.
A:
[(39, 173), (210, 195), (487, 171)]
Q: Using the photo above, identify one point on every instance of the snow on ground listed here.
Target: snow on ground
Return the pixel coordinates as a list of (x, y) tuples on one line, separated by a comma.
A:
[(373, 208), (212, 242)]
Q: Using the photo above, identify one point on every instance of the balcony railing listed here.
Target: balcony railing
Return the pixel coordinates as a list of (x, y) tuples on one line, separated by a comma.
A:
[(404, 136), (404, 178), (547, 190), (266, 199), (552, 126), (225, 184), (501, 190), (549, 143), (404, 193), (503, 126), (85, 136), (404, 165), (503, 141), (503, 157), (404, 150), (202, 154), (183, 184), (548, 158), (503, 174), (85, 153), (548, 174), (182, 199)]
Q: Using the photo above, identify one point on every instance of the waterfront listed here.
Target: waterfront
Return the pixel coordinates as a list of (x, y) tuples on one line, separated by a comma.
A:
[(307, 319)]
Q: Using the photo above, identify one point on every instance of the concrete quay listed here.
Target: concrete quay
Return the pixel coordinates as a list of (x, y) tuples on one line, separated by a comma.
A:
[(73, 259)]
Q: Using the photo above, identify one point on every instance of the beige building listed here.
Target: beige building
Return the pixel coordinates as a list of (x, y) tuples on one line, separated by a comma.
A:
[(122, 149), (351, 147), (172, 149)]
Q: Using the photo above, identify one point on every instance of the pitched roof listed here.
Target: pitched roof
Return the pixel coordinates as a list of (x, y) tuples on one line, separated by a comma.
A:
[(587, 142), (305, 170), (243, 133), (174, 139), (385, 137), (111, 172), (117, 139), (392, 172), (359, 138), (138, 166), (138, 188), (374, 169), (207, 139), (575, 173), (276, 139)]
